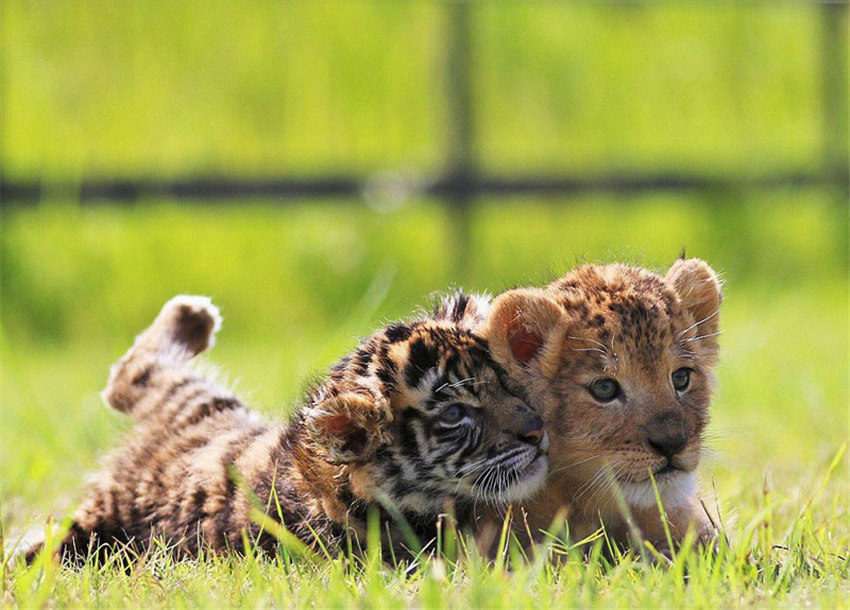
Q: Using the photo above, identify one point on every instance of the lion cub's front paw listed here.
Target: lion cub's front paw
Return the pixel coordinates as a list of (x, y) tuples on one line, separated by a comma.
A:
[(188, 321), (708, 537)]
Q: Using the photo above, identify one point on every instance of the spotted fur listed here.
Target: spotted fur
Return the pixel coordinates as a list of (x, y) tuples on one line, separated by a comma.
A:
[(415, 419), (636, 328)]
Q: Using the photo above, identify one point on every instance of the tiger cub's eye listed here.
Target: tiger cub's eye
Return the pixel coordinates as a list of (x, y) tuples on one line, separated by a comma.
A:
[(452, 414), (681, 378), (604, 389)]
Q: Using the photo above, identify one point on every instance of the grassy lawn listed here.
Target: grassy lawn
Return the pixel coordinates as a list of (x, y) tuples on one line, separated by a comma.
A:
[(298, 284), (149, 88)]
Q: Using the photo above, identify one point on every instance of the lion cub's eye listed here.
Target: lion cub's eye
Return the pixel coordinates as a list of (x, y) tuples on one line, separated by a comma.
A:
[(604, 389), (681, 378), (453, 414)]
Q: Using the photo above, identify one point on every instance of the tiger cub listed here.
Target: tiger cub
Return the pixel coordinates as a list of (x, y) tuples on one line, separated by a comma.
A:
[(418, 417)]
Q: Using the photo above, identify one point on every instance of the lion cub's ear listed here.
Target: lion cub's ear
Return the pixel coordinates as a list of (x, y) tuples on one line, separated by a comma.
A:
[(522, 329), (699, 290), (350, 426)]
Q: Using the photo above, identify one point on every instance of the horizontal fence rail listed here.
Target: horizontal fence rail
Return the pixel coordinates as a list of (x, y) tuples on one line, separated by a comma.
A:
[(400, 187), (463, 178)]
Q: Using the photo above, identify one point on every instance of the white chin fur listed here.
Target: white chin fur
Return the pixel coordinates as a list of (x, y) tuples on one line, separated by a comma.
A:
[(674, 490), (532, 481)]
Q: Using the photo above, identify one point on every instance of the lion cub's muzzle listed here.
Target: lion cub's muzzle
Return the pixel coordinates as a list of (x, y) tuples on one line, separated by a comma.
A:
[(667, 437), (666, 434)]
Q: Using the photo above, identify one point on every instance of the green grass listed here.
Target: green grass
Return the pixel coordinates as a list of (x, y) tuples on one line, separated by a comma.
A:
[(298, 284)]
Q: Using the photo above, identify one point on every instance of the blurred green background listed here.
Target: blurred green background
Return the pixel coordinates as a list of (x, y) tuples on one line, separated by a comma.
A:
[(180, 89), (307, 87)]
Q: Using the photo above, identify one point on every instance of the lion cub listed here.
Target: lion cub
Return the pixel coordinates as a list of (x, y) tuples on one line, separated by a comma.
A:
[(620, 363)]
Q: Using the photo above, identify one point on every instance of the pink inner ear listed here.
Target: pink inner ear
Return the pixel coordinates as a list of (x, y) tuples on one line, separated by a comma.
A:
[(354, 439), (336, 425), (524, 344)]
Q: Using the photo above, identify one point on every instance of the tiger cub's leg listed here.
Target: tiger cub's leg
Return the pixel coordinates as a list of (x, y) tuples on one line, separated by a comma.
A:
[(153, 371)]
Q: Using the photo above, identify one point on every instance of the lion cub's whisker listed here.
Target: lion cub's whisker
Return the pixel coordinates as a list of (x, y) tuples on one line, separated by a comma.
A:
[(706, 336), (697, 323)]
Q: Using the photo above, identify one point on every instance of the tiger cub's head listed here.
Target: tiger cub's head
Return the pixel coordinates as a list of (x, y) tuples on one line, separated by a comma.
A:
[(429, 419)]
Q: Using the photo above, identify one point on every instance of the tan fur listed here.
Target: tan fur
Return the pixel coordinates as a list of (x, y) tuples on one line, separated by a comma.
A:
[(635, 327)]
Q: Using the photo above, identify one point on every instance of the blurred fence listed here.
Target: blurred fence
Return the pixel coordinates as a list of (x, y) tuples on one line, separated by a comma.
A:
[(462, 179)]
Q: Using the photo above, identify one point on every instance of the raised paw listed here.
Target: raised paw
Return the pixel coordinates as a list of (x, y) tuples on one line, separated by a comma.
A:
[(188, 321)]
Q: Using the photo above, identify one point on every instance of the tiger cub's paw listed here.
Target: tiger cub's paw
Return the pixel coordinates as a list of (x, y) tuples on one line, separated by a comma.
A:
[(188, 321)]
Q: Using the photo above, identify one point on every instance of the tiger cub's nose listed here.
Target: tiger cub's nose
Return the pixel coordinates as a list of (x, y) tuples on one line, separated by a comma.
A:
[(532, 430)]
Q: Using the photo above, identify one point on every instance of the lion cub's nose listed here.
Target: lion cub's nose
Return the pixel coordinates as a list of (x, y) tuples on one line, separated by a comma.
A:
[(667, 444), (665, 434), (532, 431)]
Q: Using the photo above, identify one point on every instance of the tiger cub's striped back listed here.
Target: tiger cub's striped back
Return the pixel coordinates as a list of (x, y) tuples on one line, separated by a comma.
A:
[(417, 417)]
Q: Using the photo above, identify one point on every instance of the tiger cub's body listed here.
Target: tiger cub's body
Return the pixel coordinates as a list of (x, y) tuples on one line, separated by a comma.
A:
[(417, 417)]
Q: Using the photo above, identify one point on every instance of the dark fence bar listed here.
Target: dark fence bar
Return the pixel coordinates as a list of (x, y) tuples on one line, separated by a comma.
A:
[(461, 179), (834, 49), (453, 187)]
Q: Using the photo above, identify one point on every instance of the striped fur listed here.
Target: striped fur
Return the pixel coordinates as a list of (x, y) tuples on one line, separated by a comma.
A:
[(417, 418), (467, 311)]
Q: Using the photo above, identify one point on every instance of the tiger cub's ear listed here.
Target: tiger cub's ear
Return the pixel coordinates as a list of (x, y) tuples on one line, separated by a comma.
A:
[(699, 291), (522, 330), (349, 426)]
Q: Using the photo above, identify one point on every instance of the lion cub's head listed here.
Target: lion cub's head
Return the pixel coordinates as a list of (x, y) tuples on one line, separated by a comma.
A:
[(619, 361)]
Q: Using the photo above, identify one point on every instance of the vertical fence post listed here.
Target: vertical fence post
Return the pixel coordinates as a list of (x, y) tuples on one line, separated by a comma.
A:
[(834, 40), (460, 170)]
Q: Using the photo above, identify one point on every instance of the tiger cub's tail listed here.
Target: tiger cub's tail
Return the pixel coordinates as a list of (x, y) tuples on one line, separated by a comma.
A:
[(185, 327)]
